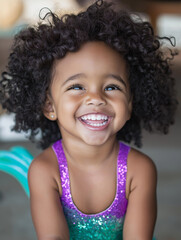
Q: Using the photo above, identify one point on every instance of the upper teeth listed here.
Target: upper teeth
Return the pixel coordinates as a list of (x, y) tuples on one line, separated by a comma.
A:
[(95, 117)]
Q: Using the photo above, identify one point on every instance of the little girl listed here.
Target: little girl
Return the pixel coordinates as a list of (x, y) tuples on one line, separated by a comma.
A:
[(84, 82)]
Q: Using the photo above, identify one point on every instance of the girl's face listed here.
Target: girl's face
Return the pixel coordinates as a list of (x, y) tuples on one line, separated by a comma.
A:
[(90, 95)]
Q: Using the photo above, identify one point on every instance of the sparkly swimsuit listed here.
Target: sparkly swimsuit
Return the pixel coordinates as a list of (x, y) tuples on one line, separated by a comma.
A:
[(107, 224)]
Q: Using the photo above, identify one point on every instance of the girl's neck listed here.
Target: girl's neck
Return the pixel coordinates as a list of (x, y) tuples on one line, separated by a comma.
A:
[(84, 155)]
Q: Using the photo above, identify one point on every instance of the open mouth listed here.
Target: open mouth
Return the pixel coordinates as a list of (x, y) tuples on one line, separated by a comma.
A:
[(95, 121)]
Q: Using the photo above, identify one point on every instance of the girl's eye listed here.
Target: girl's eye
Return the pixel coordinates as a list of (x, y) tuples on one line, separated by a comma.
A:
[(112, 87), (76, 87)]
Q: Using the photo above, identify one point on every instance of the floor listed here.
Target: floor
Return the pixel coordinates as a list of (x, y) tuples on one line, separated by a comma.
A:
[(15, 218)]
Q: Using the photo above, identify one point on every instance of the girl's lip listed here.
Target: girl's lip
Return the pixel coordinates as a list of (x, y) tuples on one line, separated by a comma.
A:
[(95, 125)]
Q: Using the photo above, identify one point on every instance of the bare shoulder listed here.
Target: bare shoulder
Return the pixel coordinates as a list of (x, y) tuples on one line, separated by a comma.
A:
[(44, 169), (140, 161), (141, 171), (42, 163)]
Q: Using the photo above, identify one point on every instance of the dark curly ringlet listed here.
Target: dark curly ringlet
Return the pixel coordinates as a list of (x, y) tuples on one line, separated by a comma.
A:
[(29, 72)]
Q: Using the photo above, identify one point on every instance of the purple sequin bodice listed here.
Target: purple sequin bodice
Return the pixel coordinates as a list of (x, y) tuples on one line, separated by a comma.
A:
[(107, 224)]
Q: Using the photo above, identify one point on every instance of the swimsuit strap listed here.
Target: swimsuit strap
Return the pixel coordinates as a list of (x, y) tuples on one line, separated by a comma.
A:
[(63, 169), (121, 178)]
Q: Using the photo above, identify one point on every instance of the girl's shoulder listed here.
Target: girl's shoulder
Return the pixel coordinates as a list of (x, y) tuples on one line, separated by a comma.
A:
[(44, 170), (138, 160), (45, 161), (141, 171)]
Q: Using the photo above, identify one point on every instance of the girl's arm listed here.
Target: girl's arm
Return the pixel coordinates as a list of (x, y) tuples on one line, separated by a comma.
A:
[(46, 209), (142, 207)]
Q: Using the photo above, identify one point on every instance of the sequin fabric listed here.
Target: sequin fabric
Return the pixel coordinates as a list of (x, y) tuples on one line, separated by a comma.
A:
[(106, 225)]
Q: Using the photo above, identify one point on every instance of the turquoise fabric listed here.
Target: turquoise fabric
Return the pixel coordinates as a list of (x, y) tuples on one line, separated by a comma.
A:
[(16, 162)]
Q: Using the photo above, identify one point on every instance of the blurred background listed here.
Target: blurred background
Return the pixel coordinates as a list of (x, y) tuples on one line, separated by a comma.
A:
[(15, 218)]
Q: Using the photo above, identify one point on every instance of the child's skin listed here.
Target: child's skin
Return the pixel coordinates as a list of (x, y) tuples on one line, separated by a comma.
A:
[(93, 80)]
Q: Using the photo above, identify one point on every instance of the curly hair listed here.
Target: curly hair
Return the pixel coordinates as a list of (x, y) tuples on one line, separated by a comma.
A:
[(24, 85)]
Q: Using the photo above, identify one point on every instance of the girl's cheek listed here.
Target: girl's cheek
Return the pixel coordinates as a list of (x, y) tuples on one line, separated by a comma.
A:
[(75, 96)]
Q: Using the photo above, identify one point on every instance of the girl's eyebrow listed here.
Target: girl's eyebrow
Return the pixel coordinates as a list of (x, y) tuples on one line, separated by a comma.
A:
[(73, 77), (117, 77)]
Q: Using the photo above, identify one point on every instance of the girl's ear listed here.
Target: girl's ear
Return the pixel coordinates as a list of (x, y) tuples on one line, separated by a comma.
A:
[(49, 109)]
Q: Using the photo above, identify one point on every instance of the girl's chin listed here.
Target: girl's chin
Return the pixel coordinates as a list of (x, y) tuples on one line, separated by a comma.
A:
[(95, 139)]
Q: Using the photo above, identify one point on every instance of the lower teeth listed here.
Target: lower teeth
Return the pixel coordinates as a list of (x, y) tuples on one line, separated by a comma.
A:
[(97, 124)]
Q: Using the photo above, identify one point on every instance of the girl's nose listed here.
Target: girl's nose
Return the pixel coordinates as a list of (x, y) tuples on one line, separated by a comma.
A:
[(95, 99)]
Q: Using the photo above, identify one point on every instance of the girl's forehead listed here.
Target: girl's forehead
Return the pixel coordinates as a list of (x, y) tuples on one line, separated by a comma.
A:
[(95, 49), (92, 56)]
